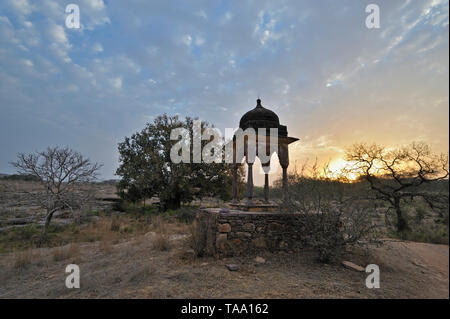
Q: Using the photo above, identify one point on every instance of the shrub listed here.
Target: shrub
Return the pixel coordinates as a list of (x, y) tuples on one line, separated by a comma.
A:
[(187, 214), (115, 224), (334, 214), (331, 230), (421, 213), (435, 234), (161, 242), (198, 232)]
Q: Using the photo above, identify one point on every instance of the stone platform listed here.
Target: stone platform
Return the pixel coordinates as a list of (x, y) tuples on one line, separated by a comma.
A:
[(255, 207), (231, 232)]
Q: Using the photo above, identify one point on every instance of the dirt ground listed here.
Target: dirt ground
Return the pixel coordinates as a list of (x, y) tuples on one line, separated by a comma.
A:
[(135, 269), (143, 266)]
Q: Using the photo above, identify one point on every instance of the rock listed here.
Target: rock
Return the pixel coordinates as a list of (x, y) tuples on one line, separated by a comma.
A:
[(188, 254), (417, 263), (259, 242), (150, 235), (232, 267), (352, 266), (224, 210), (243, 235), (274, 227), (260, 260), (249, 227), (221, 239), (177, 237), (224, 228)]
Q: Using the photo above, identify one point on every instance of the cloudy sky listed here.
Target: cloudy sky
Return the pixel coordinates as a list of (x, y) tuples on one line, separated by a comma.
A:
[(330, 79)]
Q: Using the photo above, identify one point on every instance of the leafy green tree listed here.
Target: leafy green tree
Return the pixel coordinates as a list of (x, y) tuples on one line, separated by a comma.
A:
[(147, 170)]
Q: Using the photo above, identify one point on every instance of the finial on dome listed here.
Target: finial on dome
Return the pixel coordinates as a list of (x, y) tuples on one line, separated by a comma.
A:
[(258, 102)]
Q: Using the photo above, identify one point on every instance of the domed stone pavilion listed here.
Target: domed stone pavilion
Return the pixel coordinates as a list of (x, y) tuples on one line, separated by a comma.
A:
[(265, 125)]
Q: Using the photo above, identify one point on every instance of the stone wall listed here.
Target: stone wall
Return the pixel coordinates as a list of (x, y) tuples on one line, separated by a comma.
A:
[(233, 233)]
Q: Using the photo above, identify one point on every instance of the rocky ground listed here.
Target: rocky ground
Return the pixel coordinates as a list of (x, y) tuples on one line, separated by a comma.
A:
[(18, 208), (119, 258), (136, 269)]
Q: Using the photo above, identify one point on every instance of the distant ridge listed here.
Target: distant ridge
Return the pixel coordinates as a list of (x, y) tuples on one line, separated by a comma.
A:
[(18, 177)]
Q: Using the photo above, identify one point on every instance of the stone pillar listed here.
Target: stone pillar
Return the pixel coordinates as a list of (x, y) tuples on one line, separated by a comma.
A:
[(235, 183), (266, 188), (250, 153), (285, 185), (250, 184), (283, 155), (266, 169)]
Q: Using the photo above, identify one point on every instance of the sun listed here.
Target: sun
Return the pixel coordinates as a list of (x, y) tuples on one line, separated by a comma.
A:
[(339, 168)]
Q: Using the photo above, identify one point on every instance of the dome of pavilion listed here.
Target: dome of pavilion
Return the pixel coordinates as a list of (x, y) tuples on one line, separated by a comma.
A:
[(259, 117)]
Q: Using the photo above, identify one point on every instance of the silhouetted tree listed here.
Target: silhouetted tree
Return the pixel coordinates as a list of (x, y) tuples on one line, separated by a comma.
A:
[(399, 174)]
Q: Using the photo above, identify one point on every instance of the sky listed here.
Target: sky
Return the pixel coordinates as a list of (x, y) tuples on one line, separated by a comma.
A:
[(332, 81)]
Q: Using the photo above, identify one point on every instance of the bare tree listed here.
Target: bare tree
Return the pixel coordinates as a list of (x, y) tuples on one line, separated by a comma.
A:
[(64, 174), (399, 174)]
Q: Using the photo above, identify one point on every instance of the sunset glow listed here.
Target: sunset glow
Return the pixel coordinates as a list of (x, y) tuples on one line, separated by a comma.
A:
[(340, 168), (78, 87)]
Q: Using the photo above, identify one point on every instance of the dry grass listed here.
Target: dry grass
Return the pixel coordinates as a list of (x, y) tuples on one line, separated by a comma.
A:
[(104, 229), (23, 258), (71, 251), (115, 224), (139, 241), (106, 245), (142, 273), (165, 229), (198, 237), (162, 242), (158, 224), (135, 271)]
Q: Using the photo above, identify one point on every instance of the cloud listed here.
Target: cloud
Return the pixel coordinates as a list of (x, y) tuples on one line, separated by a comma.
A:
[(58, 34), (330, 79), (97, 48), (116, 83), (93, 14), (22, 7), (226, 18), (199, 40), (187, 40), (28, 63)]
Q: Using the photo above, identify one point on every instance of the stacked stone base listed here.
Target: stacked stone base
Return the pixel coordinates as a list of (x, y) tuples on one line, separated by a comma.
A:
[(234, 233)]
